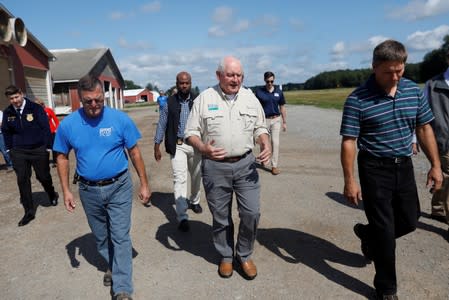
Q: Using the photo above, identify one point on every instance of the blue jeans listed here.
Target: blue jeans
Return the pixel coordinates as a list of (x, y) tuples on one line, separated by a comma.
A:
[(108, 211), (3, 150)]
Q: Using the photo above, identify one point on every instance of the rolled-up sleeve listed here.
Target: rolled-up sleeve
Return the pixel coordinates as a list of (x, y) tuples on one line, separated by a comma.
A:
[(194, 122), (260, 127)]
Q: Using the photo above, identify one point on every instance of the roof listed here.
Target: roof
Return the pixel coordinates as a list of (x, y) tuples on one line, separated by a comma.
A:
[(72, 64), (30, 36), (133, 92)]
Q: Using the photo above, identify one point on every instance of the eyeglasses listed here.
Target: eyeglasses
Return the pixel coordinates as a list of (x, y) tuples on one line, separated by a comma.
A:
[(269, 81), (90, 101)]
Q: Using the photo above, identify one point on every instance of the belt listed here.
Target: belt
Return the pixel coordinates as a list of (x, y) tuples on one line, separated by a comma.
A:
[(272, 117), (234, 159), (101, 182), (389, 160), (179, 141)]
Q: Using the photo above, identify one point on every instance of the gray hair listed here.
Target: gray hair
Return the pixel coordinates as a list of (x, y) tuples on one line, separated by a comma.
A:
[(222, 64)]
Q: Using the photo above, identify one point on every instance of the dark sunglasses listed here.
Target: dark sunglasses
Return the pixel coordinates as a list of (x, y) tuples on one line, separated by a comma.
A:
[(269, 81), (90, 101)]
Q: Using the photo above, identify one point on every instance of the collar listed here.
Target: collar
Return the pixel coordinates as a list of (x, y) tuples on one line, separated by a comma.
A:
[(371, 84)]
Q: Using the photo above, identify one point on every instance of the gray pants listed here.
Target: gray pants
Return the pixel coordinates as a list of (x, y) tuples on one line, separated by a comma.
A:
[(221, 180)]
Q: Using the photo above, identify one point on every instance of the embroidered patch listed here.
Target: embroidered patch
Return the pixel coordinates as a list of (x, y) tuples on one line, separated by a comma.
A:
[(105, 131), (212, 107)]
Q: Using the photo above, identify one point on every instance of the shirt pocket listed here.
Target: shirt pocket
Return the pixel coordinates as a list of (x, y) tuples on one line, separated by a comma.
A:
[(248, 118), (214, 122)]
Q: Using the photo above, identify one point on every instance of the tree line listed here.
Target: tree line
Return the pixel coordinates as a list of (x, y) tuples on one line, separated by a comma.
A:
[(434, 62)]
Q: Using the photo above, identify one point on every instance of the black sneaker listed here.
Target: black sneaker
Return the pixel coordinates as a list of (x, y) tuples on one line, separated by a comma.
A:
[(358, 228), (54, 200), (196, 208), (184, 225), (388, 297)]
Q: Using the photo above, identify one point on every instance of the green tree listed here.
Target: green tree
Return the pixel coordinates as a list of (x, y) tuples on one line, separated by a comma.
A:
[(130, 85), (150, 86), (434, 61)]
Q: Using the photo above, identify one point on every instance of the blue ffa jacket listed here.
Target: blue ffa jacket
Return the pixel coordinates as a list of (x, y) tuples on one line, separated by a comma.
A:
[(26, 131)]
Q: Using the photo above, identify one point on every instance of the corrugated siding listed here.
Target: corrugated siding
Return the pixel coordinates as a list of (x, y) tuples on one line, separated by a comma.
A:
[(35, 81)]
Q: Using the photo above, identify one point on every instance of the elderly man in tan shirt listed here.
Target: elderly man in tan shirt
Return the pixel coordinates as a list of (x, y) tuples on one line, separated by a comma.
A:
[(223, 124)]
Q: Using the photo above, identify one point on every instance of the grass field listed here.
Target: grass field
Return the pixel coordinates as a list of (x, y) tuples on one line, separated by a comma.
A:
[(329, 98)]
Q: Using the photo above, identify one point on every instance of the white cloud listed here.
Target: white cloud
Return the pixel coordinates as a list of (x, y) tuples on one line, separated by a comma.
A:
[(338, 51), (216, 31), (420, 9), (427, 40), (151, 7), (117, 15), (201, 63), (242, 25), (222, 14), (138, 45)]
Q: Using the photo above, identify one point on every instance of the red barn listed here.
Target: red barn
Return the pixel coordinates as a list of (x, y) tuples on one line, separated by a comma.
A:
[(72, 64), (138, 95)]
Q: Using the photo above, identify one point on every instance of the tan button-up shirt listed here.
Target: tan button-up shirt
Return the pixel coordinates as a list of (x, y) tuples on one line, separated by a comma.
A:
[(233, 125)]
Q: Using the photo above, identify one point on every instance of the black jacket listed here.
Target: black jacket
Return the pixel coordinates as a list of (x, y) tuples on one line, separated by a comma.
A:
[(29, 130)]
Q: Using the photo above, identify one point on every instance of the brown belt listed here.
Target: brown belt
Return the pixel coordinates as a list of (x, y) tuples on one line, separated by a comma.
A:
[(272, 117), (234, 159), (179, 141)]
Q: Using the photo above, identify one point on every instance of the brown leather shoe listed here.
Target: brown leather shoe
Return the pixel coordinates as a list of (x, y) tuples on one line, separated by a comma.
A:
[(225, 269), (275, 171), (249, 269)]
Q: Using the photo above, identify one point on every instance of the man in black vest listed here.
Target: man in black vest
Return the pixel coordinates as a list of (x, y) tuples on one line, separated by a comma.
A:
[(185, 159), (27, 139)]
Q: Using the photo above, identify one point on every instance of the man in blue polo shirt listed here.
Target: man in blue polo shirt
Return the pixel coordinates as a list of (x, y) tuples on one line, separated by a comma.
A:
[(380, 116), (273, 102), (99, 136)]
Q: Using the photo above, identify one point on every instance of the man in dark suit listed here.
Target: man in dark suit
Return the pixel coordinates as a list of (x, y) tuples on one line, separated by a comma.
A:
[(27, 138)]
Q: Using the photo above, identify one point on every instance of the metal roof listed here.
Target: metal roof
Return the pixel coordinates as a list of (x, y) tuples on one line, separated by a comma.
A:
[(72, 64)]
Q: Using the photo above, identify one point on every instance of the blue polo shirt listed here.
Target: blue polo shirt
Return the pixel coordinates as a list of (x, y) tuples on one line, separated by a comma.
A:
[(270, 101), (162, 100), (99, 143), (384, 125)]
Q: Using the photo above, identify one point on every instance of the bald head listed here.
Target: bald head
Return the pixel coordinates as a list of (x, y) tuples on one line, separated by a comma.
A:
[(183, 84)]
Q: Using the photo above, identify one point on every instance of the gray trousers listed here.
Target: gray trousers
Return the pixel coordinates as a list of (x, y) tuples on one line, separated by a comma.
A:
[(221, 180)]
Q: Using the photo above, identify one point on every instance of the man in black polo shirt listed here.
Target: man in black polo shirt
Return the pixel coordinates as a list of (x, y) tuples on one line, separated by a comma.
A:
[(27, 139)]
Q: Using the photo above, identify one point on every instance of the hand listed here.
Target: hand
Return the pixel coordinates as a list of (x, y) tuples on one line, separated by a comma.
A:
[(415, 148), (157, 152), (69, 201), (213, 152), (352, 192), (265, 152), (434, 179), (144, 194), (284, 127)]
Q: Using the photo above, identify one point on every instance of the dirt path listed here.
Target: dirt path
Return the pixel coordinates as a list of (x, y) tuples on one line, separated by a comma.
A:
[(305, 247)]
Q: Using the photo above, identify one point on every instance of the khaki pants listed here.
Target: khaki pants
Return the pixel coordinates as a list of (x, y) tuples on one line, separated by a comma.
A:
[(440, 199), (274, 128)]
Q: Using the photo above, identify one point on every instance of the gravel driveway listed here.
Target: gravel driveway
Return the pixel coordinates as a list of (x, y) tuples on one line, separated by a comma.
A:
[(305, 246)]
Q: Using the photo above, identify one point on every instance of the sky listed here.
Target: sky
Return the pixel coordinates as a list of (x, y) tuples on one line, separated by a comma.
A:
[(151, 41)]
